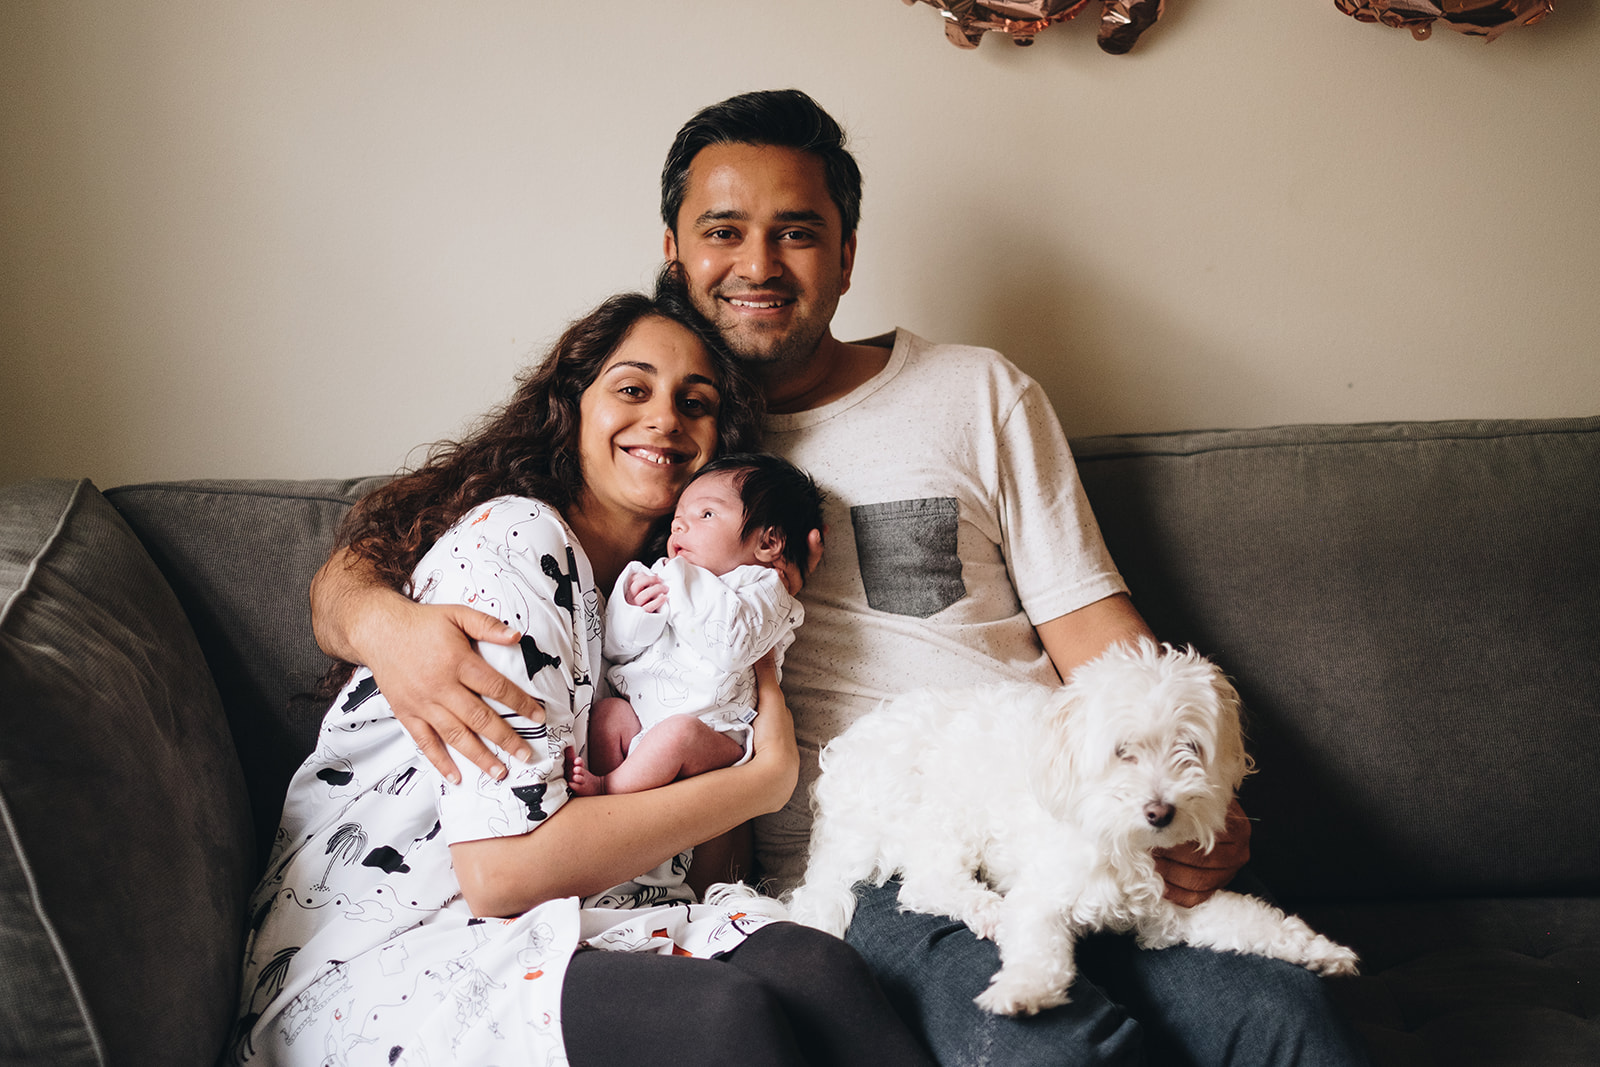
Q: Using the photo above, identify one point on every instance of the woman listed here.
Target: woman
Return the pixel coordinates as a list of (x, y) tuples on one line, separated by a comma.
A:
[(406, 918)]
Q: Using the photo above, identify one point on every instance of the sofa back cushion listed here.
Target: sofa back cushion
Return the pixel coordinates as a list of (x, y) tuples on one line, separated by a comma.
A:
[(125, 852), (1412, 615), (240, 555)]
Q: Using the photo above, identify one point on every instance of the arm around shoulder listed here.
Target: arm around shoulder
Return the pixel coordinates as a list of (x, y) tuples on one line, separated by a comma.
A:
[(424, 660)]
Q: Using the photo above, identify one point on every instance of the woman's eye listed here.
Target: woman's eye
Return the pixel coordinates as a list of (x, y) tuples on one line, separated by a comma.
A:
[(634, 391)]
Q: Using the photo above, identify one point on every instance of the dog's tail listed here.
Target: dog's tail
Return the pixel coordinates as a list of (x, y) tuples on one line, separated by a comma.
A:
[(828, 906)]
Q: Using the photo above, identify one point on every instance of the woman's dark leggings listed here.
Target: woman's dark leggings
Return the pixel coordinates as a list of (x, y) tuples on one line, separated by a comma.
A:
[(788, 995)]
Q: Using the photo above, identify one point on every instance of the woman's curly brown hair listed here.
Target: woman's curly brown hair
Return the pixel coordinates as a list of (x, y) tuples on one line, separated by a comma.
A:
[(529, 447)]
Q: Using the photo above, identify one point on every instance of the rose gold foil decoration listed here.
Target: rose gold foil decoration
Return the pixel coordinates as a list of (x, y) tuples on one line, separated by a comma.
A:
[(1479, 18), (966, 21)]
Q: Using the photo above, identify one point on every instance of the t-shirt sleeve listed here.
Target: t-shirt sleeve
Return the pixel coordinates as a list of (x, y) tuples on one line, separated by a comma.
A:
[(1051, 542), (520, 568)]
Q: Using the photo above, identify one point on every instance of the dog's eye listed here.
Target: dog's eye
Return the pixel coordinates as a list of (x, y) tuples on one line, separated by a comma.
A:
[(1126, 754)]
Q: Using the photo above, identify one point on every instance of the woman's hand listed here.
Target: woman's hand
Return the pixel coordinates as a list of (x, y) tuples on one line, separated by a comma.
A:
[(1192, 876), (425, 662)]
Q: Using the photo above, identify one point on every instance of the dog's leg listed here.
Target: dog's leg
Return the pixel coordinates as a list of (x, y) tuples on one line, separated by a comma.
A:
[(938, 877), (1234, 922), (1036, 954)]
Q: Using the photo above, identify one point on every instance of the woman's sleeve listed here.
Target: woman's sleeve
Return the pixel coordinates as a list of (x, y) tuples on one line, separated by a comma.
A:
[(512, 558)]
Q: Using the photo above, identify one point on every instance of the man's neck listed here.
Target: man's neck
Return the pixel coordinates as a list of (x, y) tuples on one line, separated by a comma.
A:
[(833, 371)]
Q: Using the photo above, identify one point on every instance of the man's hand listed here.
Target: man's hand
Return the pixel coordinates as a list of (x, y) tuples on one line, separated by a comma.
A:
[(1192, 876), (425, 663)]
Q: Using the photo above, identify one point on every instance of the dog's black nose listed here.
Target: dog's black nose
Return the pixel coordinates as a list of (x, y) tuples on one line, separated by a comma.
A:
[(1158, 814)]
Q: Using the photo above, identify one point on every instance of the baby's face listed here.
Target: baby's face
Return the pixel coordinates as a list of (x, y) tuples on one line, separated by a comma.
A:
[(706, 526)]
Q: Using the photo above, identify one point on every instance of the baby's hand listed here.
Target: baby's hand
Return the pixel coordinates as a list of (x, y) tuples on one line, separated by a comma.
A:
[(647, 591)]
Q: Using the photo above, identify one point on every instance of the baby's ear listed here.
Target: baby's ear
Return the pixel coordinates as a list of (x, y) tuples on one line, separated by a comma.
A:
[(770, 543)]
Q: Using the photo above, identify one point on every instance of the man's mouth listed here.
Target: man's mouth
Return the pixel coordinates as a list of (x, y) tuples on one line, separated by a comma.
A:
[(759, 303)]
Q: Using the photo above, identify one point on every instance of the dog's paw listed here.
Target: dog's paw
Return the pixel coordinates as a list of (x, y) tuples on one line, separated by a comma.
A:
[(1009, 995), (982, 914), (1329, 958)]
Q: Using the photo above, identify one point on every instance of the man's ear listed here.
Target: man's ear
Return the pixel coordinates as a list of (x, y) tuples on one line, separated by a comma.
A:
[(669, 246), (848, 264), (770, 544)]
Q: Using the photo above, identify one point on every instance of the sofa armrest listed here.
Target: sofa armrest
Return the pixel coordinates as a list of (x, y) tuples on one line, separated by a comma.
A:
[(125, 843)]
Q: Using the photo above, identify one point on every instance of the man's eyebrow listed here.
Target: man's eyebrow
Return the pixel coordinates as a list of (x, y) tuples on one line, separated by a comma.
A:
[(731, 215)]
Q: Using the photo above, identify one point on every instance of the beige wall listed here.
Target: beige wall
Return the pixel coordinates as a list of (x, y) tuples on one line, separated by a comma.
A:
[(289, 238)]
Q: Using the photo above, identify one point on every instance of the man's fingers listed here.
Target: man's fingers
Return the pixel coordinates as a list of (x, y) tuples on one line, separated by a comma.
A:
[(481, 627), (483, 679), (430, 746)]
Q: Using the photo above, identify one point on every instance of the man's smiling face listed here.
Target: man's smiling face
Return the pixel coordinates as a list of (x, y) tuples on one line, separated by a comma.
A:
[(760, 244)]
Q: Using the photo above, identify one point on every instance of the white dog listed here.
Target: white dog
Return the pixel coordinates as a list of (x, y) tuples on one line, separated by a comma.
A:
[(1029, 813)]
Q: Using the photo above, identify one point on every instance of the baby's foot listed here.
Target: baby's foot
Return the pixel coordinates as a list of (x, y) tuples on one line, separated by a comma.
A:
[(580, 780)]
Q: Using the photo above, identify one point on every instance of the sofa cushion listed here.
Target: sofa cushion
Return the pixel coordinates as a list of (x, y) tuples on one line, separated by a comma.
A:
[(1410, 613), (240, 555), (125, 857)]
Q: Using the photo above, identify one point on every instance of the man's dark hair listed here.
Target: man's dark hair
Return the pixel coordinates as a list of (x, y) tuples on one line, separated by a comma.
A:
[(775, 494), (786, 118)]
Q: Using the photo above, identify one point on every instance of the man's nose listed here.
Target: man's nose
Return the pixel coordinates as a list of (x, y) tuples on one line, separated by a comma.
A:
[(761, 263)]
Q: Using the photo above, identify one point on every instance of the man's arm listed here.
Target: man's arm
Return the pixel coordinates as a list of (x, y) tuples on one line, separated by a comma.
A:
[(1074, 639), (424, 661)]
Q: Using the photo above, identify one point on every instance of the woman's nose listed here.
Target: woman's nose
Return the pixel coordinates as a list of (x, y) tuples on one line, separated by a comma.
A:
[(663, 416)]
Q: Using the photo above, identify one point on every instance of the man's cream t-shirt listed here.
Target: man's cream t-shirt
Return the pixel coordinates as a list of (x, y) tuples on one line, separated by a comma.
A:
[(956, 522)]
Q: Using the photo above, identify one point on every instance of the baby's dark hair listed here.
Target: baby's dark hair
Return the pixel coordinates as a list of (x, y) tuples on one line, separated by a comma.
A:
[(776, 494)]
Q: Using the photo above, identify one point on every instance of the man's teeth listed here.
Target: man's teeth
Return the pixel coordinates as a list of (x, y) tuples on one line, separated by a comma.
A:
[(755, 303)]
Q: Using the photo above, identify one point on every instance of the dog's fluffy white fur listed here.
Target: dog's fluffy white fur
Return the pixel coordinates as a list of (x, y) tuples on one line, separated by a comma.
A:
[(1029, 813)]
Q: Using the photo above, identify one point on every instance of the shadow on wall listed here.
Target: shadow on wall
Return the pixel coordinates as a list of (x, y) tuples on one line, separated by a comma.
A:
[(1110, 359)]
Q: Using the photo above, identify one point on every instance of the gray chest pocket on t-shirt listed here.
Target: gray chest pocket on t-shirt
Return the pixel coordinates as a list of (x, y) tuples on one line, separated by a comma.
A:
[(907, 550)]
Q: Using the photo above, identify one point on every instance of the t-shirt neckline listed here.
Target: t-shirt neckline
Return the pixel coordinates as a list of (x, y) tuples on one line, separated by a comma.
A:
[(898, 343)]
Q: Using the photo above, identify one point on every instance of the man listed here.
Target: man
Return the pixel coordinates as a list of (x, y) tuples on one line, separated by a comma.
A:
[(962, 551)]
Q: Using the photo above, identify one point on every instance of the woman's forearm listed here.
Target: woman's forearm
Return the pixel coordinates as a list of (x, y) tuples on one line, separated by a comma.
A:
[(594, 843)]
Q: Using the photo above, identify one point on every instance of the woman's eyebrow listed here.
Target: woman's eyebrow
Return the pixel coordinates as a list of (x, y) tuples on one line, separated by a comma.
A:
[(650, 368)]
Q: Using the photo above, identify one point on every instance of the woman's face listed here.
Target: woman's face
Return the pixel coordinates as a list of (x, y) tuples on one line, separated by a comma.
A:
[(647, 422)]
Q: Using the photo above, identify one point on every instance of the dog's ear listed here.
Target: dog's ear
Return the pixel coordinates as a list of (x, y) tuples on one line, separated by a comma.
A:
[(1053, 762), (1232, 761)]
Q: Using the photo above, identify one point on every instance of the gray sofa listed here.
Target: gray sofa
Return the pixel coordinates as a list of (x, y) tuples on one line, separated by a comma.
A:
[(1411, 612)]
